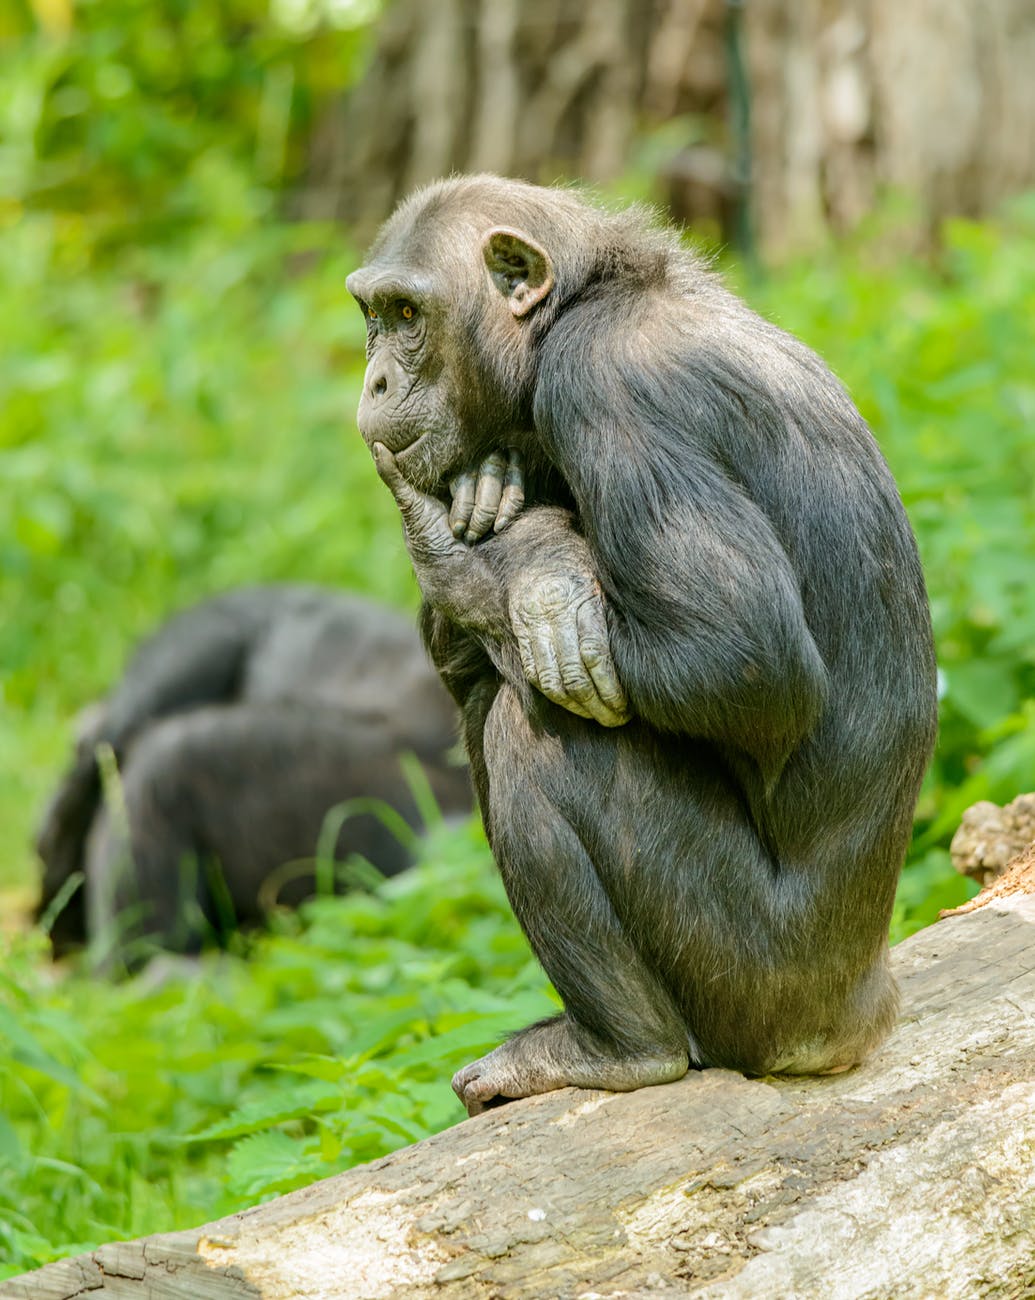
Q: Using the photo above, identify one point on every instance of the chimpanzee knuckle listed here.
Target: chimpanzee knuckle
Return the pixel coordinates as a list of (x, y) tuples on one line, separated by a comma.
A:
[(557, 693), (493, 467), (594, 651), (489, 493), (568, 703), (549, 597), (550, 682), (527, 657), (592, 628), (511, 504), (482, 519), (579, 689), (463, 489)]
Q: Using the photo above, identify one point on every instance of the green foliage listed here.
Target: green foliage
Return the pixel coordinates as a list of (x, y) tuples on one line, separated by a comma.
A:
[(182, 1094), (150, 117)]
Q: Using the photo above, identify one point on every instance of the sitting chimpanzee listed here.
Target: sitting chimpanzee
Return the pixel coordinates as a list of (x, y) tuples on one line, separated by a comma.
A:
[(692, 646), (235, 730)]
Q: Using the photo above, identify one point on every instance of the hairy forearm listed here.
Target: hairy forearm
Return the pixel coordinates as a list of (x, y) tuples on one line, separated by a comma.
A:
[(529, 595), (476, 587)]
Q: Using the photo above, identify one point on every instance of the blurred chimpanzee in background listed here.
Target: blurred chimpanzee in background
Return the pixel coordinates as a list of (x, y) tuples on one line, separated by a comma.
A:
[(235, 730)]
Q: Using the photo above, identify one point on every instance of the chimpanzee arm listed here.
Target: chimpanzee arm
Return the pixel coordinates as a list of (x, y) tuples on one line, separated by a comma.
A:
[(704, 633), (705, 614), (527, 600)]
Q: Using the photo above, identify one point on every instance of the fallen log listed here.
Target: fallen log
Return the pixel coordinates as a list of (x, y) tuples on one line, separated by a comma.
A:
[(912, 1176)]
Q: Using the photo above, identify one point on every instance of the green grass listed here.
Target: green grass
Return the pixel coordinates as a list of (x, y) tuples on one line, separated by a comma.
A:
[(181, 419), (152, 1104)]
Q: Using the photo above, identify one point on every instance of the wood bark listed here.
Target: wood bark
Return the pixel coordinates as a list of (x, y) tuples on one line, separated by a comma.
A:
[(912, 1176), (540, 89), (848, 100), (933, 100)]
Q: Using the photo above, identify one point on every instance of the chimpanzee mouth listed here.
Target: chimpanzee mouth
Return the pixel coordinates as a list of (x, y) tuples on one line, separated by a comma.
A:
[(370, 436), (411, 444)]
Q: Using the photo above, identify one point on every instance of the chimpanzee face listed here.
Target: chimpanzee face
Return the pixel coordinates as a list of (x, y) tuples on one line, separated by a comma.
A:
[(447, 359), (407, 401)]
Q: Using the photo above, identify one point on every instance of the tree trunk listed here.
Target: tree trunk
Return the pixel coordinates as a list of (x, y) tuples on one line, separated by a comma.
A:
[(540, 89), (933, 99), (847, 100), (912, 1176)]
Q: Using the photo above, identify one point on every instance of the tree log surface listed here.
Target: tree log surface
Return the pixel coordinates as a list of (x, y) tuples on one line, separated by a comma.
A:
[(912, 1176)]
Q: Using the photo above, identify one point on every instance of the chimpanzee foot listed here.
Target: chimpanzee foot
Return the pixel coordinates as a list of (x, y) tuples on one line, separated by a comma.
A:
[(548, 1056)]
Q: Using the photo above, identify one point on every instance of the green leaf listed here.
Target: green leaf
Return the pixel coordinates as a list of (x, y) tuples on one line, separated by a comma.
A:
[(286, 1104)]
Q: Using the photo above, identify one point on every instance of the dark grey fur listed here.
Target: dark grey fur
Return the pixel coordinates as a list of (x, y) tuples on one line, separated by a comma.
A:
[(236, 727), (713, 881)]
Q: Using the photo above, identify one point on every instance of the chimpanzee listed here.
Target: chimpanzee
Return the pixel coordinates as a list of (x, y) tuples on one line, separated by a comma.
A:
[(688, 632), (236, 728)]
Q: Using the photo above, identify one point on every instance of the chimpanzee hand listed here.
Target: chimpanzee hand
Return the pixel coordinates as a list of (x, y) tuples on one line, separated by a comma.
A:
[(425, 518), (491, 496), (558, 619), (555, 609)]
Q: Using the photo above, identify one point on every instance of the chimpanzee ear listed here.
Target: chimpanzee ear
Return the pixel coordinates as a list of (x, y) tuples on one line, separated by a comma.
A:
[(522, 271)]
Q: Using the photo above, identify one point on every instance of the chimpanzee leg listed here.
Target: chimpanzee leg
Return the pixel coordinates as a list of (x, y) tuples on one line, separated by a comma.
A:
[(621, 1029), (732, 929)]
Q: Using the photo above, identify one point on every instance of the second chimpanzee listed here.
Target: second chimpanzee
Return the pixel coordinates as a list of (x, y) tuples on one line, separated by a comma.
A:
[(695, 669), (236, 728)]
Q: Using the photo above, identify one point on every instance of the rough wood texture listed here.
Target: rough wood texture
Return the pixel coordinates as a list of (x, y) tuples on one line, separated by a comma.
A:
[(913, 1176), (849, 98), (933, 99)]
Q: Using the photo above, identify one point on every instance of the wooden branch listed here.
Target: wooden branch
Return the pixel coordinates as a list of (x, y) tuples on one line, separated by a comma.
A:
[(913, 1176)]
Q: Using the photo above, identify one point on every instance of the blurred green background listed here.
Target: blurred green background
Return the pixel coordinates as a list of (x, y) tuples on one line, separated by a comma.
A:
[(179, 367)]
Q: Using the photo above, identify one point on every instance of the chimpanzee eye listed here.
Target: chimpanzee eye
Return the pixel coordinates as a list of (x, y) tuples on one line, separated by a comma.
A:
[(407, 312), (371, 313)]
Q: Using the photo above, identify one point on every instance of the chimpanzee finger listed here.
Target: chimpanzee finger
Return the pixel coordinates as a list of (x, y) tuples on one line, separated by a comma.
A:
[(462, 488), (487, 496), (512, 501), (424, 518), (524, 644), (578, 685), (596, 655), (388, 472), (548, 671)]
